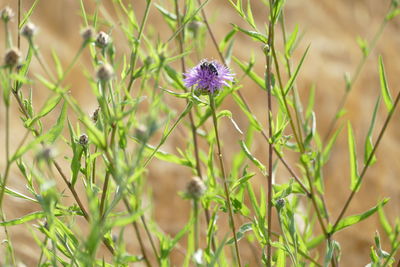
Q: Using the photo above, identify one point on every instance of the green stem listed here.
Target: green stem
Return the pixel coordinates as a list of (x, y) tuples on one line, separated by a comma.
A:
[(221, 163), (181, 38), (367, 164), (164, 138), (357, 72)]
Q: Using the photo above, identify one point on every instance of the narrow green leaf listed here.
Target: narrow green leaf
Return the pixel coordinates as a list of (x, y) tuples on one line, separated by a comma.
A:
[(291, 41), (166, 14), (280, 255), (351, 220), (311, 101), (56, 130), (384, 86), (253, 120), (59, 67), (292, 79), (29, 217), (252, 75), (240, 233), (252, 158), (253, 34), (28, 14), (250, 18), (329, 146), (384, 222), (368, 147), (227, 38), (48, 106), (355, 185)]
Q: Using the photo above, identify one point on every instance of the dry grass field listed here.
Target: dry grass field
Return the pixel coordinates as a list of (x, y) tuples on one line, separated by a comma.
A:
[(329, 27)]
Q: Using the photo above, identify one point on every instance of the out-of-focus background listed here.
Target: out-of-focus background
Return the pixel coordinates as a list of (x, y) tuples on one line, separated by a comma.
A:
[(329, 27)]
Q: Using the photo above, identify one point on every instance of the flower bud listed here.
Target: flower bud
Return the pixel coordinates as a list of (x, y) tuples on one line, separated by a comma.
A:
[(83, 140), (29, 30), (12, 57), (87, 34), (195, 188), (102, 39), (105, 72), (6, 14), (95, 115)]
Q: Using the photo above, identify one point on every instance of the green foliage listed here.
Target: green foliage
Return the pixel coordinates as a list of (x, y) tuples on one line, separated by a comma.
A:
[(97, 174)]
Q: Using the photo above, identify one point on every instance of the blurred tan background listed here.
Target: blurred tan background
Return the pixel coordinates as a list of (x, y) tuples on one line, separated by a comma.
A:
[(330, 27)]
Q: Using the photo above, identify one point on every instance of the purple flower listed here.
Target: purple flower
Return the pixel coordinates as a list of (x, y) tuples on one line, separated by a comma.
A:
[(208, 77)]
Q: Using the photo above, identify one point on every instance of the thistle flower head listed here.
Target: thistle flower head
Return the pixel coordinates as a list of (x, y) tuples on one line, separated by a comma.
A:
[(208, 77)]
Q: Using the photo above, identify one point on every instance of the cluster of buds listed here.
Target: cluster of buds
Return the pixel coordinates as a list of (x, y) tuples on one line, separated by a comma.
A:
[(102, 39)]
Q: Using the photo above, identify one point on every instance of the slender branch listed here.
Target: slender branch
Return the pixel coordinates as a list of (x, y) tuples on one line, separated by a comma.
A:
[(181, 39), (357, 72), (221, 163), (367, 164), (268, 86)]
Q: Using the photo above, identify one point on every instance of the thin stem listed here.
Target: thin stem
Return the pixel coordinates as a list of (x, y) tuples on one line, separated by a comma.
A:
[(268, 86), (196, 223), (221, 163), (181, 38), (137, 232), (357, 72), (134, 55), (19, 22), (164, 138), (367, 164)]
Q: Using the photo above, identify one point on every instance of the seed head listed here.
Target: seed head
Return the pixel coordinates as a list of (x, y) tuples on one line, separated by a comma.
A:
[(6, 14), (88, 34), (12, 57), (208, 77), (102, 39), (105, 72), (83, 140), (195, 188), (29, 30)]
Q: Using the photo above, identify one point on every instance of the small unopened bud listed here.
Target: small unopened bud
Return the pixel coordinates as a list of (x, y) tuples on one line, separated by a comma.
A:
[(102, 39), (6, 14), (195, 188), (87, 34), (105, 72), (95, 115), (141, 132), (29, 30), (194, 27), (266, 49), (12, 57), (280, 203), (83, 140), (46, 154)]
